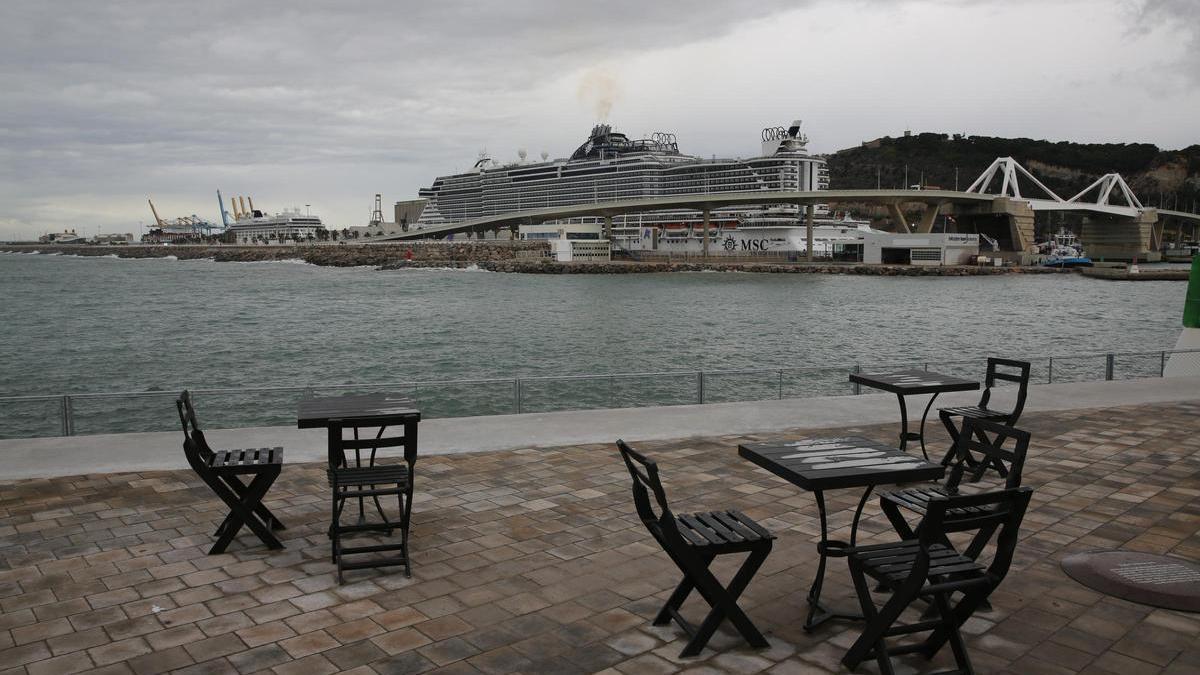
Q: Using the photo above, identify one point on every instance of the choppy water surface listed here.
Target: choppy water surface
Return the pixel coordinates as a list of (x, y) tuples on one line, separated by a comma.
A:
[(74, 325)]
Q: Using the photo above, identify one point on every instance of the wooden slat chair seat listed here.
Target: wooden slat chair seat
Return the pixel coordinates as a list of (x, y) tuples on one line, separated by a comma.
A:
[(369, 475), (974, 412), (890, 564), (356, 481), (924, 568), (917, 500), (721, 531), (693, 541), (1005, 370), (993, 453), (221, 470), (245, 461)]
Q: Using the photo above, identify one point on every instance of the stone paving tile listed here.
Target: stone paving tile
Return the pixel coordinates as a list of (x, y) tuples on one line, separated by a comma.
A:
[(532, 561)]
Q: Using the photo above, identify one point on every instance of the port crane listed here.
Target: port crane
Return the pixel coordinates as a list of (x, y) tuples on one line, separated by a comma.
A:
[(194, 222)]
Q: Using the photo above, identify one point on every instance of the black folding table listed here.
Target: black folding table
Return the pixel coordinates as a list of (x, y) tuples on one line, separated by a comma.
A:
[(819, 464), (366, 410), (913, 383), (336, 413)]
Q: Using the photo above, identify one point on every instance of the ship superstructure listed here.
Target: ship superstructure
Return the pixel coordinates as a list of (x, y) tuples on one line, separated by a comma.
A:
[(611, 166), (251, 225)]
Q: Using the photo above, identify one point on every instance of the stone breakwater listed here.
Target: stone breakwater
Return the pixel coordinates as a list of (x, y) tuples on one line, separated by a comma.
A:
[(515, 257), (545, 266), (350, 255), (1123, 274)]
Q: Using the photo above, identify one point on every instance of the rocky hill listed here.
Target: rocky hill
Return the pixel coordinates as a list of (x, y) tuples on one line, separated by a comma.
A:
[(1170, 175)]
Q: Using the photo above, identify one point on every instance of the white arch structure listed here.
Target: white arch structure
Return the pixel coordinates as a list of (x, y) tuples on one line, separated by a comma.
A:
[(1010, 171)]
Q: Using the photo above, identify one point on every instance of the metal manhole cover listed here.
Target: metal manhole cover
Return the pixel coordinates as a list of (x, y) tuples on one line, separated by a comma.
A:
[(1156, 580)]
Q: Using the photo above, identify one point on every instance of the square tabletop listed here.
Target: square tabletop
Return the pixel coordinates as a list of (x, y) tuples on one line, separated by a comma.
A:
[(914, 382), (843, 462), (369, 409)]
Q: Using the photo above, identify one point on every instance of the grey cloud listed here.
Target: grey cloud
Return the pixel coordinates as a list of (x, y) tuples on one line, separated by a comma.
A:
[(1183, 15), (144, 88), (104, 102)]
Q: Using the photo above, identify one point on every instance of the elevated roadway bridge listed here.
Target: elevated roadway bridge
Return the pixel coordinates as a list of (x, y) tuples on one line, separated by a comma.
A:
[(701, 202)]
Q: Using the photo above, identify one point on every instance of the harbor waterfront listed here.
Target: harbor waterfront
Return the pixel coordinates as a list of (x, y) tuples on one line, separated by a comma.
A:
[(131, 325), (507, 256)]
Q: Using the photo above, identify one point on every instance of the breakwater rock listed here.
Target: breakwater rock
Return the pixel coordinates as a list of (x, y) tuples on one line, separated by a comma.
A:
[(329, 255), (547, 266), (514, 257), (1123, 274)]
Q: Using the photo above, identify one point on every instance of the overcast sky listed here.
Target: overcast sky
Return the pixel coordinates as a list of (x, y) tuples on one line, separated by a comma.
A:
[(104, 104)]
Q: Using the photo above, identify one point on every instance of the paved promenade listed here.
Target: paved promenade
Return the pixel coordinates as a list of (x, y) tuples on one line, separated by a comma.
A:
[(531, 560)]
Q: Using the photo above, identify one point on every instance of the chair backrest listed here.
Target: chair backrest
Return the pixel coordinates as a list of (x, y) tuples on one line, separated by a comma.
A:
[(1000, 511), (644, 472), (396, 436), (1008, 370), (981, 437), (195, 446)]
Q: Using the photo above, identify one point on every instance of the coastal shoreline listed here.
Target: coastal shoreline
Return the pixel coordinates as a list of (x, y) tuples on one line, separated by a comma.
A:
[(508, 257)]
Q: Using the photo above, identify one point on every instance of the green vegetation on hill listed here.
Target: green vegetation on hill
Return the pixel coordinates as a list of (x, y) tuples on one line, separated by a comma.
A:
[(1064, 167)]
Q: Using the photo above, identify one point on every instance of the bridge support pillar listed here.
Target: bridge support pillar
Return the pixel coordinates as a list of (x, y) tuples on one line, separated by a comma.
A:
[(1118, 238), (808, 232), (927, 218), (608, 228), (1008, 221), (707, 217)]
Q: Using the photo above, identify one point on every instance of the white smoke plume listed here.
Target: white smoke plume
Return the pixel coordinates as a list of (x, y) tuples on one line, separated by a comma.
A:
[(600, 89)]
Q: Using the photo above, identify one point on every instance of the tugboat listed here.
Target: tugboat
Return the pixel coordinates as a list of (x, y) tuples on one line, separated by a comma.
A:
[(1065, 251)]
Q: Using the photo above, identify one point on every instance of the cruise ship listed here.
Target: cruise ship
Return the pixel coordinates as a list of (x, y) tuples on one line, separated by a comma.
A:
[(252, 226), (611, 166)]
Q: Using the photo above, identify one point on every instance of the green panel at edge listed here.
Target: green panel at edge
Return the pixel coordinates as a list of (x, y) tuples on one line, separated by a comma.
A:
[(1191, 306)]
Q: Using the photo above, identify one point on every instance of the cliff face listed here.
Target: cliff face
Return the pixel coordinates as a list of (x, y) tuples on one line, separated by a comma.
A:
[(1064, 167)]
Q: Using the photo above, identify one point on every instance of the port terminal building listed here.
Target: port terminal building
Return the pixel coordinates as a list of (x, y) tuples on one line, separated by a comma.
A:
[(581, 241)]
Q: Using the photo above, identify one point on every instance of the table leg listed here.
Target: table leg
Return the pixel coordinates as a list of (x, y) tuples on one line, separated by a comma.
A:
[(905, 434), (924, 416), (335, 457), (903, 422), (362, 518), (817, 614)]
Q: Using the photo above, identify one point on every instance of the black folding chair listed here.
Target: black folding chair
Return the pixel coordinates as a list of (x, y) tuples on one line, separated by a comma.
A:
[(925, 568), (1007, 370), (692, 542), (993, 453), (222, 471), (372, 480)]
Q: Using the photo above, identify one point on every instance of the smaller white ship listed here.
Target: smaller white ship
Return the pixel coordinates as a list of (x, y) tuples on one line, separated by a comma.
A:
[(758, 234), (64, 237), (251, 225)]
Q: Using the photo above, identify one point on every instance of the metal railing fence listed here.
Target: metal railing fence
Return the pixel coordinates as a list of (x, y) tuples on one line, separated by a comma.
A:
[(115, 412)]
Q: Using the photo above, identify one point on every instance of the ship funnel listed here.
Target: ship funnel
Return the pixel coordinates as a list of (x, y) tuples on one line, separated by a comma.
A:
[(242, 203), (794, 130), (251, 200), (233, 204)]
